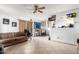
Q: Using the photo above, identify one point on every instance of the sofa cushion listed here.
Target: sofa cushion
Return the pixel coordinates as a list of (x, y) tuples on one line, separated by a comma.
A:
[(19, 34), (7, 41), (3, 36), (10, 35), (0, 35), (1, 41), (21, 37)]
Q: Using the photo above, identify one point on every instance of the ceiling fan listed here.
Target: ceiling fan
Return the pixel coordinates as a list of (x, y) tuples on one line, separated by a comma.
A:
[(38, 9)]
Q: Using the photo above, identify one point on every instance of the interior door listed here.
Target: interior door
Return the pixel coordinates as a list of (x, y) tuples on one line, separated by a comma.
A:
[(29, 26), (22, 25)]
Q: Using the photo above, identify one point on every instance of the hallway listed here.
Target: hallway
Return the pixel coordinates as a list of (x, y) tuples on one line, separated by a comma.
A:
[(41, 45)]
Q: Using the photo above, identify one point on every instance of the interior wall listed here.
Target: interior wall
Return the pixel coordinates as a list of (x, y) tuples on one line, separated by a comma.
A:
[(4, 28), (67, 35)]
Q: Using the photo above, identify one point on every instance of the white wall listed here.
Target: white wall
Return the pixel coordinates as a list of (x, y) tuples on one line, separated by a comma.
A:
[(67, 35), (8, 28), (12, 15)]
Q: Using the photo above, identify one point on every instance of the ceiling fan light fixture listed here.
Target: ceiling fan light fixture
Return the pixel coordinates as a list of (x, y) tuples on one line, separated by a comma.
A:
[(38, 9)]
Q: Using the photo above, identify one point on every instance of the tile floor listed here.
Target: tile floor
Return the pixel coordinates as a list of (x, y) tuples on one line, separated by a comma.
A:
[(41, 45)]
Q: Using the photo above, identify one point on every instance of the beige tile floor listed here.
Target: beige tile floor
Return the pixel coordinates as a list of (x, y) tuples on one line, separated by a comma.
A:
[(41, 45)]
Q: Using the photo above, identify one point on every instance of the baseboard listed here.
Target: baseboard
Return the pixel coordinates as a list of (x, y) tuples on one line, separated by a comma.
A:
[(65, 43)]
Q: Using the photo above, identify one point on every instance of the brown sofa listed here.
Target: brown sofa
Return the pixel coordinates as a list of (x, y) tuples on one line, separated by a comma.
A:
[(8, 39)]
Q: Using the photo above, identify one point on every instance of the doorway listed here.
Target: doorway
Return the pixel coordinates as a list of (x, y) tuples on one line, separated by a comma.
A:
[(22, 25)]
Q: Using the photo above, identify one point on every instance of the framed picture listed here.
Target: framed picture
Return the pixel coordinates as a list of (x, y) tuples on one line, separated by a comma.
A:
[(37, 25), (52, 18), (6, 21), (71, 15), (14, 24)]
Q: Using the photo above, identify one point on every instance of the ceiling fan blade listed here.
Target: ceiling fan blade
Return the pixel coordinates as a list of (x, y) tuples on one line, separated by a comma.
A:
[(41, 8), (35, 11), (36, 7), (40, 11)]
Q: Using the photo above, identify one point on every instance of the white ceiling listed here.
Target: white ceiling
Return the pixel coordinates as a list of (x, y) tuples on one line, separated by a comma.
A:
[(26, 10)]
